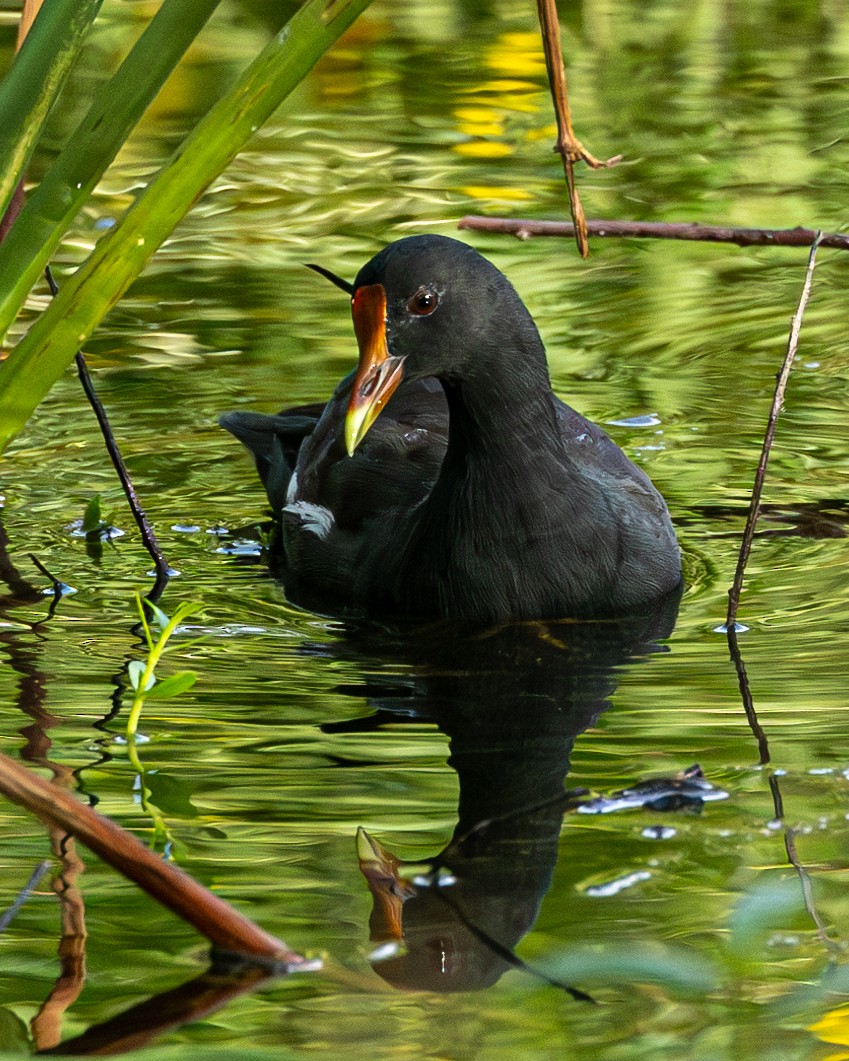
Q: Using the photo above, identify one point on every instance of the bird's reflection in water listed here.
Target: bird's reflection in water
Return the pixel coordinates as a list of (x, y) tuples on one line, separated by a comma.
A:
[(512, 701)]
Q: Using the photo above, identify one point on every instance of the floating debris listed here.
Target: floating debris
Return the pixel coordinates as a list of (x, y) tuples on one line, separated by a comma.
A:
[(687, 790), (241, 547)]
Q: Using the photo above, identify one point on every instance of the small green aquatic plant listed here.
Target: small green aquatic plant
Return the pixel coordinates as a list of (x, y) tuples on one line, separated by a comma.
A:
[(143, 681), (97, 525), (142, 673)]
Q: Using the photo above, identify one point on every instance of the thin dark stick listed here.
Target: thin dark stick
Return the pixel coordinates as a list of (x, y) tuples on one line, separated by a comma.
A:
[(343, 285), (746, 696), (24, 893), (163, 571), (47, 574), (742, 237), (507, 954), (804, 876), (60, 588), (775, 409)]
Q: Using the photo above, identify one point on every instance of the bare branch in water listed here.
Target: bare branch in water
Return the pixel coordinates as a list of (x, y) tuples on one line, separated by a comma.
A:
[(775, 409), (524, 228), (163, 881)]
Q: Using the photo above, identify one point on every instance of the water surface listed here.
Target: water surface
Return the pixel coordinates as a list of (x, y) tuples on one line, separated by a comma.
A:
[(687, 925)]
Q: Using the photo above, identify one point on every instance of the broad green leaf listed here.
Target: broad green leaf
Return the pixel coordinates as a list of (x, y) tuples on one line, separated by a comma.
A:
[(42, 356), (29, 88), (93, 517), (13, 1031), (173, 685), (159, 615), (135, 670), (170, 795), (677, 970), (770, 905), (115, 109)]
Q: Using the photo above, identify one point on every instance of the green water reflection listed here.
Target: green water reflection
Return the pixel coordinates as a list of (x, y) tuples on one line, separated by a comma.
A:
[(265, 770)]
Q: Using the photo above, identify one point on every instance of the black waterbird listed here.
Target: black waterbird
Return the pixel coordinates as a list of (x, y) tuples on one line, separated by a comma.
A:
[(444, 478)]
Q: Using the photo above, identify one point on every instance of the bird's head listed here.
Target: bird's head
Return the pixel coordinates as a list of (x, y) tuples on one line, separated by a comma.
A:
[(429, 306)]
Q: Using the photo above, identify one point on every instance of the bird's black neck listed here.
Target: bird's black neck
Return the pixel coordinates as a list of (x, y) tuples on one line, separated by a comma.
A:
[(501, 412), (491, 495)]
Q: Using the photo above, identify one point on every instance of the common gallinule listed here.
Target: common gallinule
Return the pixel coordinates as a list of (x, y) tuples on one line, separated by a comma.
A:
[(443, 478)]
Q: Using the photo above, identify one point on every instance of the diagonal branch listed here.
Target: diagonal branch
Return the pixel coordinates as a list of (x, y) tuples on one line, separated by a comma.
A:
[(772, 420), (163, 881)]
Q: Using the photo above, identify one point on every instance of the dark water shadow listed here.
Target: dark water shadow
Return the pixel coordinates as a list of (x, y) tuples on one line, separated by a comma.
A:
[(512, 701), (139, 1025)]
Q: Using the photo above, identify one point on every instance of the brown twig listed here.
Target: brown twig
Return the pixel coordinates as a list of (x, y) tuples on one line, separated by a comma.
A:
[(46, 1025), (568, 146), (746, 696), (769, 436), (801, 870), (524, 228), (163, 881)]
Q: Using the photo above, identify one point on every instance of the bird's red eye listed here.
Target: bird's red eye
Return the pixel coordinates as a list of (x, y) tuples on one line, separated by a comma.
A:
[(423, 302)]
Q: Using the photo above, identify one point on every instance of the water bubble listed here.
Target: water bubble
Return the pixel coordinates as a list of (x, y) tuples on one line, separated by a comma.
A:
[(648, 420), (613, 887), (659, 832)]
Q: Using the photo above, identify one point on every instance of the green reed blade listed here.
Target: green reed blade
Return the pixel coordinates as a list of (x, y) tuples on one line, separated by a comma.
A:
[(116, 108), (29, 88), (50, 345)]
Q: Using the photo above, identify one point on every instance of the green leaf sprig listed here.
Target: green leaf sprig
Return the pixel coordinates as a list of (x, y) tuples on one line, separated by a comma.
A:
[(142, 673)]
